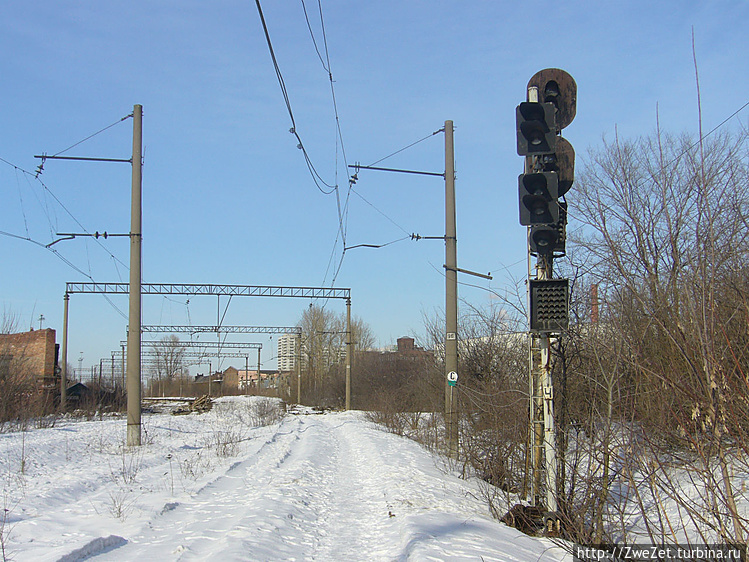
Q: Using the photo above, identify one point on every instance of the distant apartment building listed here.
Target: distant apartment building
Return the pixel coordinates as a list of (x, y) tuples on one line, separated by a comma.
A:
[(287, 352)]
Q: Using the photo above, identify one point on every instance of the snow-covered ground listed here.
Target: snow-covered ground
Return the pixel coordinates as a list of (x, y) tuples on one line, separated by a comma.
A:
[(222, 486)]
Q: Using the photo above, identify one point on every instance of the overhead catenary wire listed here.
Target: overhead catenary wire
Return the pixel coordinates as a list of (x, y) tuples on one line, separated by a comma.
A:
[(379, 211), (487, 289), (44, 205), (342, 204), (507, 267), (314, 42), (20, 200), (353, 179), (442, 130), (342, 207), (316, 177), (342, 211), (65, 260), (377, 246), (718, 126), (94, 134), (62, 205), (81, 224)]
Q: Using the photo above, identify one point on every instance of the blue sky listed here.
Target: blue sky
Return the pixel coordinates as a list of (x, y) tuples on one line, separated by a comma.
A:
[(227, 197)]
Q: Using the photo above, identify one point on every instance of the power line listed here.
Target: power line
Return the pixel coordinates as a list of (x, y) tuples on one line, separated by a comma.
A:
[(407, 146), (59, 202), (54, 250), (379, 211), (65, 260), (314, 42), (313, 171), (342, 210), (93, 135)]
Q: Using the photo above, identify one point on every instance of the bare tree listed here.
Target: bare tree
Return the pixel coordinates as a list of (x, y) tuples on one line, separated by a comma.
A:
[(10, 322), (169, 362), (20, 399), (324, 337), (665, 228), (361, 333)]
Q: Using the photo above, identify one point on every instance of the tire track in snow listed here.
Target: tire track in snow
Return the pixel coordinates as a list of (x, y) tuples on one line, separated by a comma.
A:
[(327, 488), (264, 507)]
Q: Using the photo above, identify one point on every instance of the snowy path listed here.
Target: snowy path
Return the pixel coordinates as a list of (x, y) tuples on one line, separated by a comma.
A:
[(330, 487), (325, 488)]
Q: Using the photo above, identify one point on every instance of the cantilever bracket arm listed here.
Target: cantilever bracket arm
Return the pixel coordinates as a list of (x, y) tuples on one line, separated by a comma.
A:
[(71, 235), (67, 237), (459, 270)]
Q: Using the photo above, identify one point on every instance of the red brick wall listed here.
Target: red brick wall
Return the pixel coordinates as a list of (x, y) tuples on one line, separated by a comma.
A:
[(405, 344), (29, 354)]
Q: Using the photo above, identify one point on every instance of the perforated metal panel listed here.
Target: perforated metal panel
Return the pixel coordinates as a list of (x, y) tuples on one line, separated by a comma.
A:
[(549, 305)]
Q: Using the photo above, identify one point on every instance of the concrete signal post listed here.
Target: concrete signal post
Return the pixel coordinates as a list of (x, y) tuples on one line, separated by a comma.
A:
[(548, 174)]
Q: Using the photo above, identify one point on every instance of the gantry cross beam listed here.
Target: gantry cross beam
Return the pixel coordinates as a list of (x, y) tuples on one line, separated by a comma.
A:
[(211, 289), (191, 289), (212, 345), (182, 329)]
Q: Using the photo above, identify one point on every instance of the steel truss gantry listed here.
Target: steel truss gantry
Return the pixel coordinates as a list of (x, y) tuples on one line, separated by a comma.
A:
[(182, 329), (210, 289), (209, 344), (190, 354), (219, 291)]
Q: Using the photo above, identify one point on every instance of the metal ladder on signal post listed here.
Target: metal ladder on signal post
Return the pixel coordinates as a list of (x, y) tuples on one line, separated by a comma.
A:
[(542, 438)]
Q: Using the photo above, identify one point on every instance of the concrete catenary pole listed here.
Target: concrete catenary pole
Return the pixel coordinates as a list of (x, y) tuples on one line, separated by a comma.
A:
[(134, 319), (122, 367), (451, 297), (349, 352), (64, 368), (298, 364)]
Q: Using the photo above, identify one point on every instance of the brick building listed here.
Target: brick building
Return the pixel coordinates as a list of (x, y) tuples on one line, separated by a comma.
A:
[(30, 356), (233, 379)]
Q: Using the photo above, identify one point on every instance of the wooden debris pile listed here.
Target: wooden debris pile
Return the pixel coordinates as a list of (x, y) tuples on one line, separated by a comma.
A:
[(199, 405)]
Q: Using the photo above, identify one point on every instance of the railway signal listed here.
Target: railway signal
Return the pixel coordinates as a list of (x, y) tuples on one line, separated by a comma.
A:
[(547, 176), (536, 128), (538, 193)]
